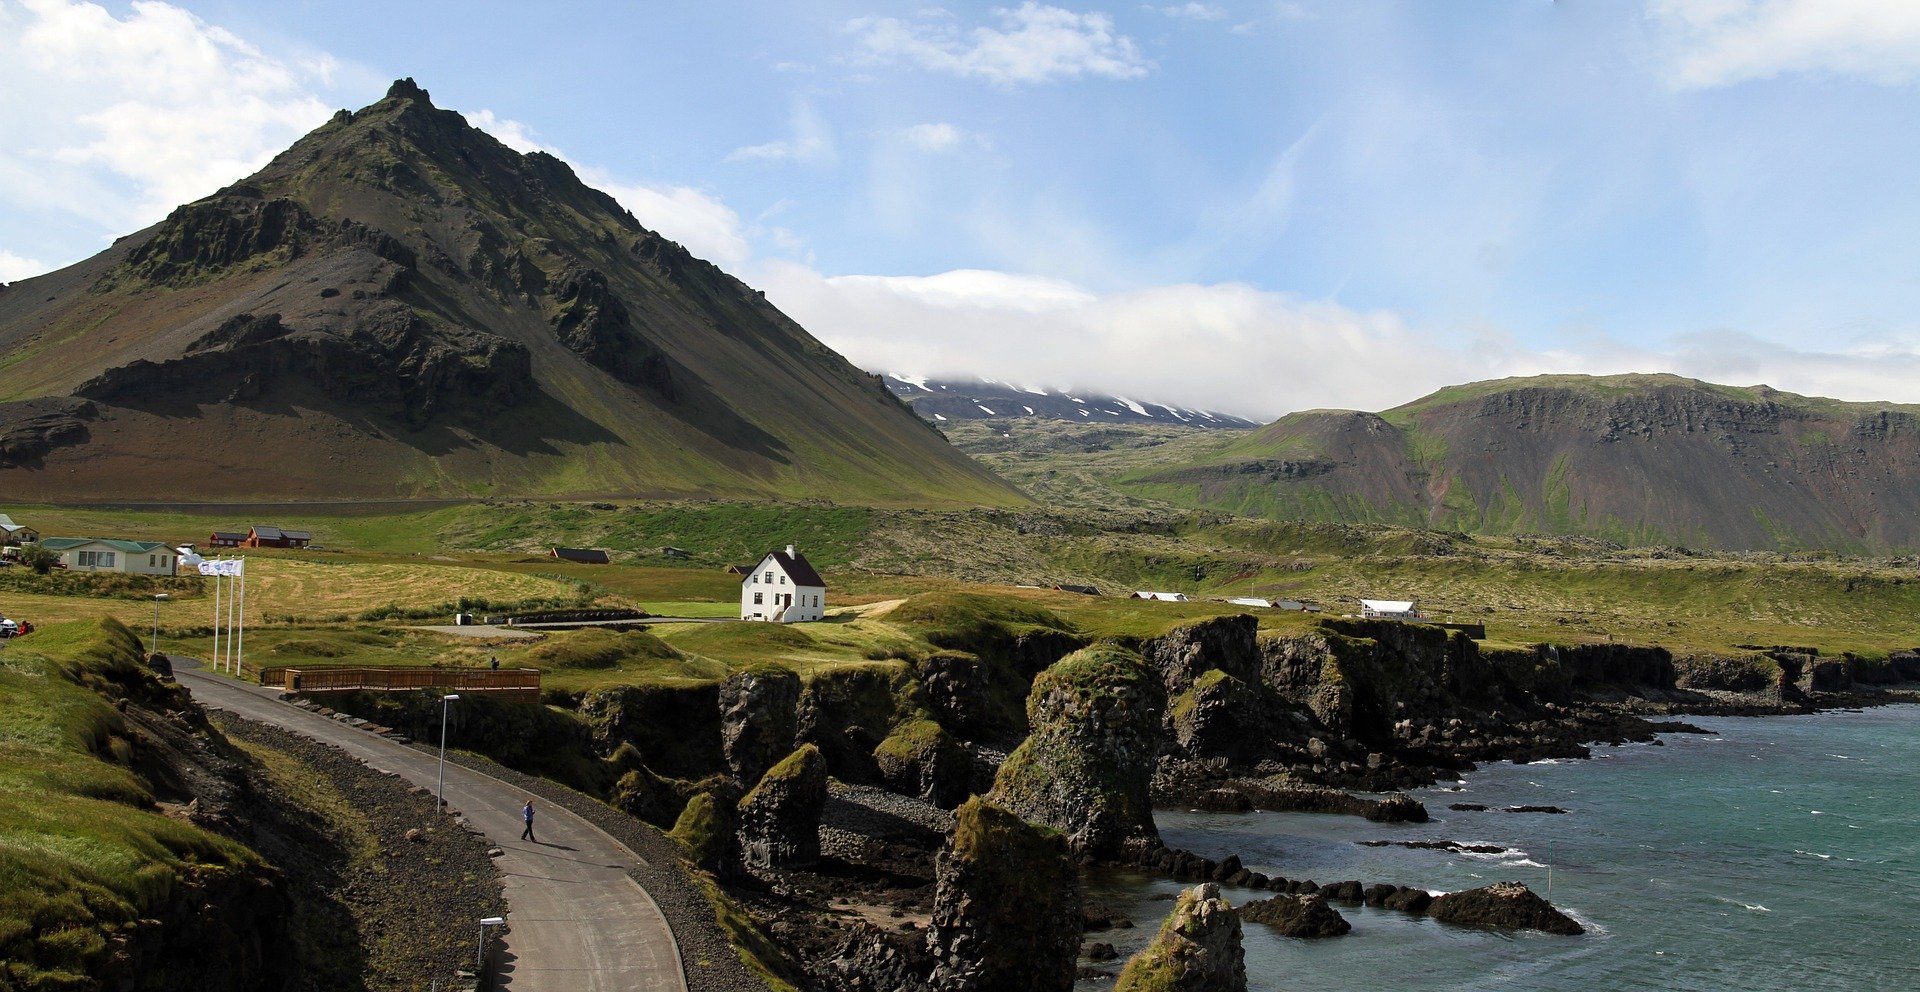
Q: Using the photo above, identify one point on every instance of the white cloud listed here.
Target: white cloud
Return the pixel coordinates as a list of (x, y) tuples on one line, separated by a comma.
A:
[(511, 133), (932, 137), (810, 144), (1238, 349), (1195, 11), (702, 223), (1033, 43), (1709, 43), (13, 267), (119, 119)]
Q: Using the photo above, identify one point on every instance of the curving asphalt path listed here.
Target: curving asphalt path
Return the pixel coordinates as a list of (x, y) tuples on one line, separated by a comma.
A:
[(578, 922)]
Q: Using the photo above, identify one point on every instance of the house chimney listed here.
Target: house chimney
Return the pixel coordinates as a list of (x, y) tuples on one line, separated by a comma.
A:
[(790, 551)]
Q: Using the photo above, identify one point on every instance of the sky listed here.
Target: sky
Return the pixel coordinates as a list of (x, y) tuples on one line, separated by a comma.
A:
[(1250, 206)]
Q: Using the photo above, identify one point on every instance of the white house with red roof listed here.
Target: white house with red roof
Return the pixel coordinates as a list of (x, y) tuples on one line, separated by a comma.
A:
[(783, 588)]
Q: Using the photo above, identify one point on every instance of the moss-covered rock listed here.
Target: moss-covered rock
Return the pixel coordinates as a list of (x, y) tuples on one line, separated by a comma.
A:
[(706, 830), (1006, 906), (1198, 949), (1087, 767), (779, 821), (921, 759)]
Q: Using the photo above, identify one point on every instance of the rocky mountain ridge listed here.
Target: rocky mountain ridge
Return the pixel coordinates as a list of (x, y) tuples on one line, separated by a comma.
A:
[(399, 305), (1644, 460)]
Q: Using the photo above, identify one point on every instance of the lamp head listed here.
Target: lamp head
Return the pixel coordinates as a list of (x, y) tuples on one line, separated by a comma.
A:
[(450, 697), (493, 921)]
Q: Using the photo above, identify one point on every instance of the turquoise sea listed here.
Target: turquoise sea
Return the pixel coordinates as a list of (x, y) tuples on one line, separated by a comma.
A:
[(1779, 853)]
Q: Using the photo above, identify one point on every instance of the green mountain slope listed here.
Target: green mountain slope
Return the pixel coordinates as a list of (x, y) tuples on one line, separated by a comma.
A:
[(1642, 459), (399, 305)]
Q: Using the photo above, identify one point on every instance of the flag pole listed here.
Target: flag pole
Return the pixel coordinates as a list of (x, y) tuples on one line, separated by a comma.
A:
[(240, 655), (216, 618)]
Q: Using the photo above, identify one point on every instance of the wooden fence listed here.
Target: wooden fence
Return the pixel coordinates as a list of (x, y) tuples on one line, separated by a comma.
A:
[(519, 684)]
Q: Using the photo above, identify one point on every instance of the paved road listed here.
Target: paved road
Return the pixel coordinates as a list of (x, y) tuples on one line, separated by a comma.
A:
[(579, 923)]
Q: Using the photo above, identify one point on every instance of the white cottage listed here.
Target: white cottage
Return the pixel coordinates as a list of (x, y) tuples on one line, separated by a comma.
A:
[(783, 588), (1389, 609)]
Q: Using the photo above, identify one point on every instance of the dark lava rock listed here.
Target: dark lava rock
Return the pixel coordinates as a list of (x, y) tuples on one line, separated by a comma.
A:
[(1198, 949), (757, 719), (1503, 906), (1102, 952), (1533, 809), (1409, 900), (779, 821), (1468, 807), (1398, 808), (1086, 769), (1006, 906), (1307, 916), (1352, 892)]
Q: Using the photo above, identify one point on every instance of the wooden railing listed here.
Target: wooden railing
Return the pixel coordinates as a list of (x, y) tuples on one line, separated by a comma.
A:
[(506, 683)]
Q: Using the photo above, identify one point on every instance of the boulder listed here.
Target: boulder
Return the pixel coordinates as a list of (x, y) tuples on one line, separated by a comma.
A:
[(1307, 917), (779, 821), (1086, 769), (1398, 808), (758, 719), (1502, 906), (921, 759), (1198, 949), (1006, 906), (706, 830), (1409, 900)]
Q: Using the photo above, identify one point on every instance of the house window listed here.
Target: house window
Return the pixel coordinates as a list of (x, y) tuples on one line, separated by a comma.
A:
[(757, 597), (783, 580), (153, 561), (816, 601), (96, 559), (769, 577)]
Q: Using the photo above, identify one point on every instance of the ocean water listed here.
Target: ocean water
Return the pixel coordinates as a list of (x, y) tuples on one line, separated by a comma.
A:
[(1780, 853)]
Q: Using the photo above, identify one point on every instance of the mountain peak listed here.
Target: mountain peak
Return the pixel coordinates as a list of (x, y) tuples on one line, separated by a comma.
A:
[(407, 89)]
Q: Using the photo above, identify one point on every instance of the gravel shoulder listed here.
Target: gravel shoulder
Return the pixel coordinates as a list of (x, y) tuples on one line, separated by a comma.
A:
[(380, 911)]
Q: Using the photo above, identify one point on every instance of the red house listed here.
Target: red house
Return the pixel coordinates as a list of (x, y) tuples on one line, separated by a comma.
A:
[(226, 539)]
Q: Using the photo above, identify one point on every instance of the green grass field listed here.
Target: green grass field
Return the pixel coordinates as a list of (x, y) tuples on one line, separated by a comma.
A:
[(416, 562)]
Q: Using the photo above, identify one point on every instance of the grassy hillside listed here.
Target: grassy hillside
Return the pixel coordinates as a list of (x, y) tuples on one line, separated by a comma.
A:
[(85, 856)]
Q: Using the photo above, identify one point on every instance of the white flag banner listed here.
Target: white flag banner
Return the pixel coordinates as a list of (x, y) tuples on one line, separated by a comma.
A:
[(230, 568), (209, 568)]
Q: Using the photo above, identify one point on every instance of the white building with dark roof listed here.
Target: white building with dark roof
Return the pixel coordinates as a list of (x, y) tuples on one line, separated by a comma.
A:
[(783, 588)]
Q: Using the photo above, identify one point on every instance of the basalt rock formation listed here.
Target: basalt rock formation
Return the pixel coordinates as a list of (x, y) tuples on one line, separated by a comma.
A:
[(1643, 459), (758, 723), (1198, 949), (398, 305), (1007, 906), (1087, 767), (779, 821)]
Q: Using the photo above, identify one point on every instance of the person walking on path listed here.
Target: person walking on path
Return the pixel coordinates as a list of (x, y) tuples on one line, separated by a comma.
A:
[(526, 813)]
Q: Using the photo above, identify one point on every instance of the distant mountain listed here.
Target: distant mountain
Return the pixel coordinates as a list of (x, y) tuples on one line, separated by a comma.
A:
[(984, 399), (1644, 459), (399, 305)]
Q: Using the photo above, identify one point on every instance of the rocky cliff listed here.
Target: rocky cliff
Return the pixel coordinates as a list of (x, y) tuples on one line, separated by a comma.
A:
[(1007, 904), (1644, 459)]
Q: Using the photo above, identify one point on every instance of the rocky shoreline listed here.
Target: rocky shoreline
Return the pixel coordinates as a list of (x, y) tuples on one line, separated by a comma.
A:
[(845, 820)]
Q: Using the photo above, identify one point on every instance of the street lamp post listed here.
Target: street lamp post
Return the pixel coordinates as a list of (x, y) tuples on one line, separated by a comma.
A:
[(440, 790), (480, 955), (158, 598)]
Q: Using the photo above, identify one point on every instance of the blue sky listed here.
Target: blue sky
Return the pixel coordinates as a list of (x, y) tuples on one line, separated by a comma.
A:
[(1246, 205)]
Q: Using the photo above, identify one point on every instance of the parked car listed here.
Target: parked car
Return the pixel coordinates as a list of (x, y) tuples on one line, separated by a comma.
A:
[(8, 628)]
